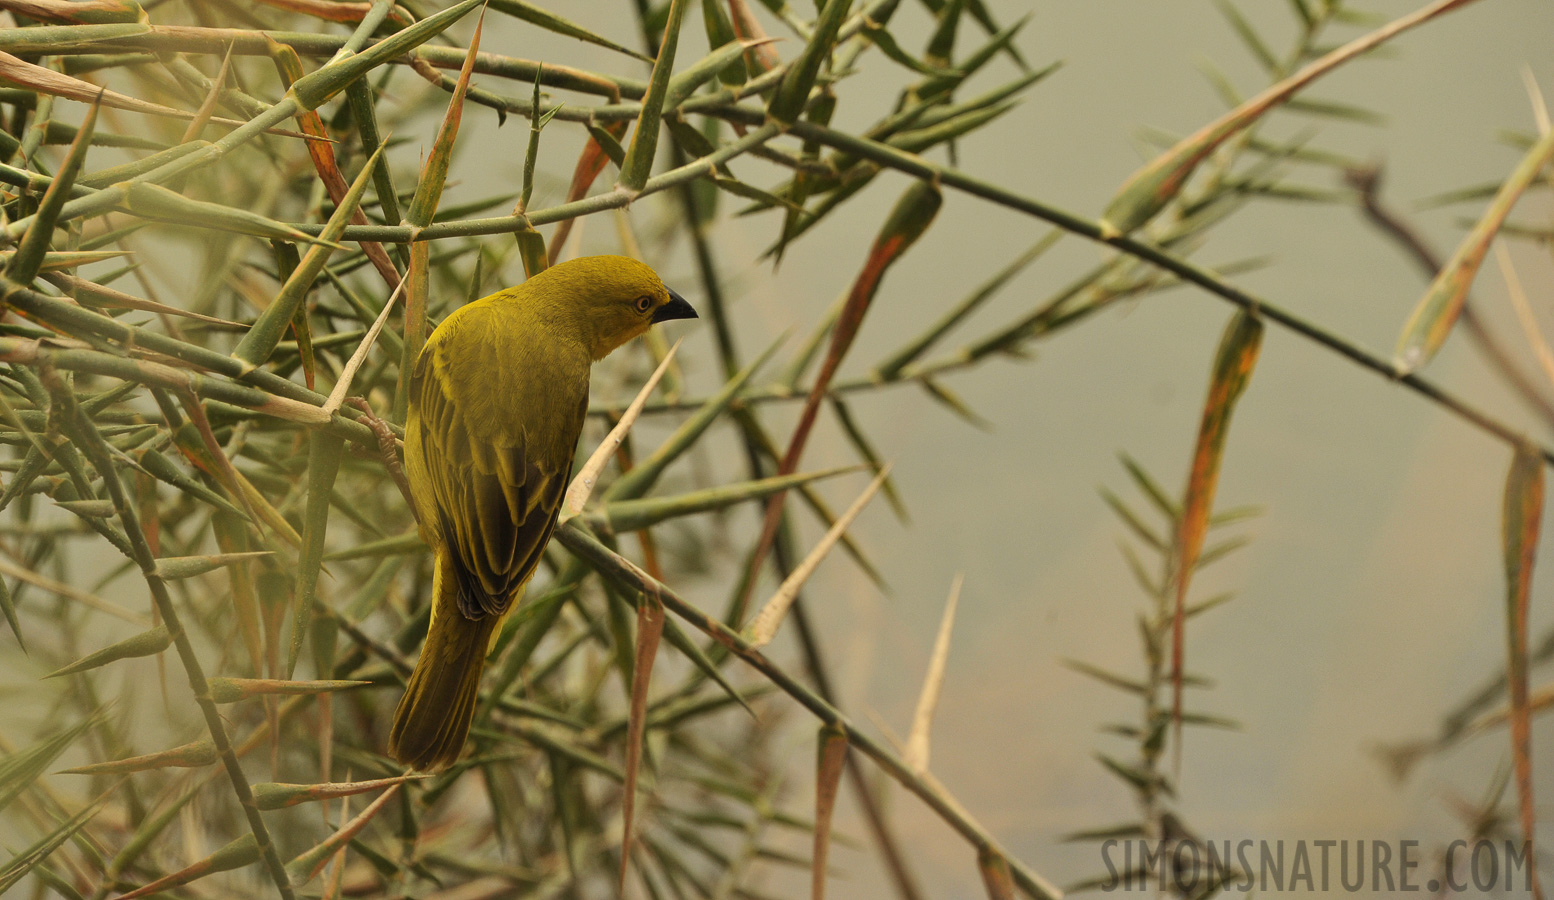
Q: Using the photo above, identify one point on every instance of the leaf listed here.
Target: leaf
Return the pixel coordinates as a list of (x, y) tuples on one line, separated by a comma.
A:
[(232, 690), (423, 208), (883, 39), (191, 442), (95, 294), (537, 123), (88, 509), (762, 57), (603, 146), (57, 882), (794, 219), (434, 172), (720, 31), (899, 360), (65, 590), (687, 82), (309, 863), (650, 626), (941, 44), (1333, 109), (212, 96), (271, 795), (1206, 605), (56, 260), (954, 403), (1208, 721), (324, 454), (163, 470), (682, 642), (634, 515), (1520, 526), (19, 770), (408, 542), (915, 754), (830, 760), (147, 643), (765, 624), (996, 876), (47, 81), (24, 264), (1105, 677), (528, 12), (27, 860), (910, 218), (1248, 36), (1117, 832), (1232, 369), (175, 568), (583, 482), (314, 89), (1437, 311), (917, 140), (1151, 488), (1148, 190), (265, 334), (1216, 552), (241, 852), (792, 94), (148, 830), (1135, 777), (1131, 519), (644, 141), (347, 377), (1001, 40), (187, 756), (642, 476), (152, 201), (359, 98), (8, 606), (865, 448)]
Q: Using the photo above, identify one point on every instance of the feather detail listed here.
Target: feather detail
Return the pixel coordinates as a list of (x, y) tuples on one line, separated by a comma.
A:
[(498, 396), (496, 410), (433, 717)]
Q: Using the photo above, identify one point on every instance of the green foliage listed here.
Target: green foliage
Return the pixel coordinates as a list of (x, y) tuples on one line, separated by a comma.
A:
[(230, 447)]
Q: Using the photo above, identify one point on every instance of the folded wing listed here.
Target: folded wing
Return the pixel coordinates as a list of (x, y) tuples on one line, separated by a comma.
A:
[(497, 437)]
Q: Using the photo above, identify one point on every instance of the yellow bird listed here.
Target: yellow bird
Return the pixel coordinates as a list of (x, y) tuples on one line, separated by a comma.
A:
[(497, 401)]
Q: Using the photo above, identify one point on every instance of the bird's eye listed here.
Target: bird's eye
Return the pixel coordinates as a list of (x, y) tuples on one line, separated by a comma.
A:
[(644, 303)]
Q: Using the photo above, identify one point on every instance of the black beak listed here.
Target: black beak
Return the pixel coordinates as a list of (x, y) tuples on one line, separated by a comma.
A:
[(676, 308)]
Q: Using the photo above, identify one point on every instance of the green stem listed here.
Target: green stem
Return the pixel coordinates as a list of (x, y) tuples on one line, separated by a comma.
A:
[(97, 452), (623, 571), (911, 164)]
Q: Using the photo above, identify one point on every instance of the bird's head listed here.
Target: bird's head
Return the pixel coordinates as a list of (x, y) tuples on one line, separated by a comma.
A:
[(610, 299)]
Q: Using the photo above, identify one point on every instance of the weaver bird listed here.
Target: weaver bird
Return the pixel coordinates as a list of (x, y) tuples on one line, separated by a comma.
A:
[(497, 401)]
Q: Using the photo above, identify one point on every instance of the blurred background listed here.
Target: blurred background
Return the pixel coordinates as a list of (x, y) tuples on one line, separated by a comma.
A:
[(1370, 601)]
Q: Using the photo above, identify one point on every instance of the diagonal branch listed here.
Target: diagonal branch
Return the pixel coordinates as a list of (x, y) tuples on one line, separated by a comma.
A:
[(97, 451), (1367, 182), (624, 572), (912, 164)]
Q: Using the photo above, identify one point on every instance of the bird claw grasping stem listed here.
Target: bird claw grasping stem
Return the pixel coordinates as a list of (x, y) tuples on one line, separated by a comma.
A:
[(388, 451)]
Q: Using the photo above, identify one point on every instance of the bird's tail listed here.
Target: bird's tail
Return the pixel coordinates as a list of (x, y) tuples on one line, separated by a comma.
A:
[(433, 717)]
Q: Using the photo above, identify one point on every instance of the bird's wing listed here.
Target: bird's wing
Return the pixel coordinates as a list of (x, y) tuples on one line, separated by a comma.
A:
[(496, 448)]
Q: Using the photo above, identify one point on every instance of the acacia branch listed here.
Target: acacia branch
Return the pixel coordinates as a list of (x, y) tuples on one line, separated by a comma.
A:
[(621, 570), (97, 451), (1367, 183)]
